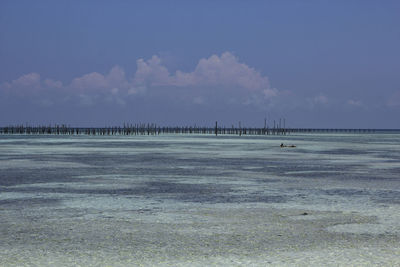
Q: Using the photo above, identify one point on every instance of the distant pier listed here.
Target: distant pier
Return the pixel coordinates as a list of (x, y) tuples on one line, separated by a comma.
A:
[(153, 129)]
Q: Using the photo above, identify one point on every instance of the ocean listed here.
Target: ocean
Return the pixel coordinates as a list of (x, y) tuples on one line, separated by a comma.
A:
[(195, 200)]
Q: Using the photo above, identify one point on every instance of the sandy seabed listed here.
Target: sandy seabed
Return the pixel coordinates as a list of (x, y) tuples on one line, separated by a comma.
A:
[(206, 236), (160, 204)]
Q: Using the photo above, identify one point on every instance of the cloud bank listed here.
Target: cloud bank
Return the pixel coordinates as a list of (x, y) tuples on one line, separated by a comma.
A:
[(218, 87), (217, 78)]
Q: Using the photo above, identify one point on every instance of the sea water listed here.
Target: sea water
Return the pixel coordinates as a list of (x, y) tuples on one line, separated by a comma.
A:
[(187, 200)]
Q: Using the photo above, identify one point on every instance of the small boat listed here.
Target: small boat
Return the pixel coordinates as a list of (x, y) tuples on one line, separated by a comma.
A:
[(282, 145)]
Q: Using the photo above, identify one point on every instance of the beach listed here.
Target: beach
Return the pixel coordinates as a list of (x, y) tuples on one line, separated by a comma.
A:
[(195, 200)]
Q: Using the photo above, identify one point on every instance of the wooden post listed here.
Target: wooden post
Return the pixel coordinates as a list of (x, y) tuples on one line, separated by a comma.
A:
[(265, 126), (284, 126)]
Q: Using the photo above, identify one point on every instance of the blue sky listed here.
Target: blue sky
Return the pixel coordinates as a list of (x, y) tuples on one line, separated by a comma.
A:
[(315, 63)]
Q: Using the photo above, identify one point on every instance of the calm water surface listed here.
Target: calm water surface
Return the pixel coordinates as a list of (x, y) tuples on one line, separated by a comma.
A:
[(55, 178), (52, 170)]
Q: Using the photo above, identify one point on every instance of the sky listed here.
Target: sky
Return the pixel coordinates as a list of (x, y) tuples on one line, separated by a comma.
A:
[(320, 64)]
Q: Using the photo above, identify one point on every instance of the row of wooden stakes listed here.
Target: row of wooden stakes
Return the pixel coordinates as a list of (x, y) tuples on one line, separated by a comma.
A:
[(153, 129)]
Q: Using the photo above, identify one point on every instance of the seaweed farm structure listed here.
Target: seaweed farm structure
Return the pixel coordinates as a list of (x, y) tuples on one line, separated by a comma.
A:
[(153, 129)]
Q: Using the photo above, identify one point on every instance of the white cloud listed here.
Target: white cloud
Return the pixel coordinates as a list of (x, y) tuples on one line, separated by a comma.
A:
[(134, 90), (270, 93), (99, 83), (151, 73), (86, 100), (28, 80), (313, 102), (116, 78), (28, 84), (223, 71), (114, 97), (355, 103), (320, 99), (216, 78), (92, 80), (53, 84), (25, 84)]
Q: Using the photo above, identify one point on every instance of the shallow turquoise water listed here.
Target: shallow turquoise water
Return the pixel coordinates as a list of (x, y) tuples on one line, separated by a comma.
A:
[(56, 178), (200, 168)]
